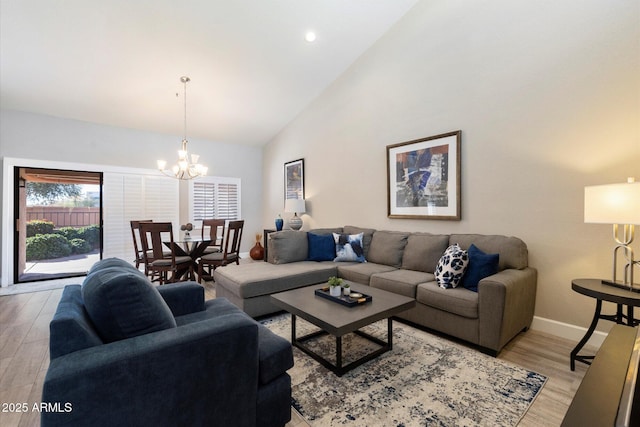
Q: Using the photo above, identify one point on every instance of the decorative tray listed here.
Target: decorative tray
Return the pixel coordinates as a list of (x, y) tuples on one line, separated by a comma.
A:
[(346, 300)]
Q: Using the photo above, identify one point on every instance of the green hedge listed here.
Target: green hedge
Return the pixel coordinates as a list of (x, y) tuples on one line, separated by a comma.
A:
[(91, 234), (79, 246), (68, 233), (43, 242), (39, 226), (47, 246)]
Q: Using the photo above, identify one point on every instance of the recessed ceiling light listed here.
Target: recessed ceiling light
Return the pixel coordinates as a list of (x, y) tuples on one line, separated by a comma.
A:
[(310, 36)]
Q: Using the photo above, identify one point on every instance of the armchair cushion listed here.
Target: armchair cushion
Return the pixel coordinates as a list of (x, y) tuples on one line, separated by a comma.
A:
[(124, 304), (113, 262)]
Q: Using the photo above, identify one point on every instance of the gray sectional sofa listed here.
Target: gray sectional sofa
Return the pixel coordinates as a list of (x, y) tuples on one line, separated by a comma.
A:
[(404, 263)]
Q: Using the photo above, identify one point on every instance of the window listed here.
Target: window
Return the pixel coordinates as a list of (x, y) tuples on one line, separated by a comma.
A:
[(215, 197)]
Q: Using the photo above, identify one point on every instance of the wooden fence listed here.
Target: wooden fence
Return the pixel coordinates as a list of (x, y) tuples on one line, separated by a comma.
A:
[(65, 217)]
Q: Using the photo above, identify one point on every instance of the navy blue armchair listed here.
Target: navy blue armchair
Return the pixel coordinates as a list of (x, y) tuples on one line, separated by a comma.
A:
[(195, 363)]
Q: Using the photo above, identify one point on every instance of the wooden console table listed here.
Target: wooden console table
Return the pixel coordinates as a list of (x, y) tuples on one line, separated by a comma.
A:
[(594, 288)]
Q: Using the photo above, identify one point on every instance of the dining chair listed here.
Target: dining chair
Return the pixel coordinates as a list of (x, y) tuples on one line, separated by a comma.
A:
[(137, 245), (216, 231), (153, 237), (231, 252)]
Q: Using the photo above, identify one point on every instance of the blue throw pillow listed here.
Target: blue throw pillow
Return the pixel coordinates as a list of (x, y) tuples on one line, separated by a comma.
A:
[(481, 265), (349, 247), (321, 247)]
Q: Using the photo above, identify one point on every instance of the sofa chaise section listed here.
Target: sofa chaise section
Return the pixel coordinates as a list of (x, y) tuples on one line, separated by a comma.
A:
[(250, 285)]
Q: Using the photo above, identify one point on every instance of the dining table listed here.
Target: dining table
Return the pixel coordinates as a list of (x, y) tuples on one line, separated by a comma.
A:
[(192, 247)]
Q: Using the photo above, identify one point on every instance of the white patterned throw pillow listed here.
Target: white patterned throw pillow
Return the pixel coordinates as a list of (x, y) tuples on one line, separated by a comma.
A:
[(451, 267), (349, 247)]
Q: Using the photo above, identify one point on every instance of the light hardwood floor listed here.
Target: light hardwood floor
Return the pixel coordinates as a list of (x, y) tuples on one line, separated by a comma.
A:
[(24, 358)]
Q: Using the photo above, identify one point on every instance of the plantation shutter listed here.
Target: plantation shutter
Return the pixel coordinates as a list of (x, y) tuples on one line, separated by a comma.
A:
[(228, 201), (128, 197), (215, 197), (204, 200)]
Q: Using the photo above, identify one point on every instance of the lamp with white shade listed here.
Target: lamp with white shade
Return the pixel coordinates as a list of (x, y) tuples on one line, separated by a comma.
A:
[(296, 206), (617, 204)]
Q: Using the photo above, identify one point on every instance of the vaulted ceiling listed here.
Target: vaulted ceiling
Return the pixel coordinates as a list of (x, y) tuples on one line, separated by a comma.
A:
[(119, 62)]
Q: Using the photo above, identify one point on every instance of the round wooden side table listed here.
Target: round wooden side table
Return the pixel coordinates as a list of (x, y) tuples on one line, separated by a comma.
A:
[(594, 288)]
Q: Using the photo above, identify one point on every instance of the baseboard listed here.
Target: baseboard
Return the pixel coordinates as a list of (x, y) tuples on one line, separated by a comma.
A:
[(567, 331)]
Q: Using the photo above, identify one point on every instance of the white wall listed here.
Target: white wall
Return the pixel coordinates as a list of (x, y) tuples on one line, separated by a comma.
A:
[(547, 95), (40, 137)]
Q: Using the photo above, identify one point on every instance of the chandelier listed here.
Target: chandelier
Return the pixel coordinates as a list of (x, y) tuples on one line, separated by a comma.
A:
[(187, 166)]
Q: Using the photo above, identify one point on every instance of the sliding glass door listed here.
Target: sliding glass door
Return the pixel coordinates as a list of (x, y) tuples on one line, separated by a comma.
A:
[(58, 223)]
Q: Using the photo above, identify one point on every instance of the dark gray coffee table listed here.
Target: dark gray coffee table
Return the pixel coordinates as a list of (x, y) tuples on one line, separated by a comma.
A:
[(338, 320)]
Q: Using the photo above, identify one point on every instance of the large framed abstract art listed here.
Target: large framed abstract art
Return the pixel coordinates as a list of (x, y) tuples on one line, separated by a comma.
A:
[(294, 179), (423, 178)]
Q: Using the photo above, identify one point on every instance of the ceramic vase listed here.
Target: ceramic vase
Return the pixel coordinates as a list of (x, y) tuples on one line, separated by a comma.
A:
[(257, 251), (279, 223)]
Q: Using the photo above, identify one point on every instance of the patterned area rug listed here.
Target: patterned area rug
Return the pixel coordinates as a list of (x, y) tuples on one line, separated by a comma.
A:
[(424, 381)]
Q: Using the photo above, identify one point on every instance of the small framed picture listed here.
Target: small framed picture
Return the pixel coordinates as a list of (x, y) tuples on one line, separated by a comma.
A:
[(294, 179), (423, 178)]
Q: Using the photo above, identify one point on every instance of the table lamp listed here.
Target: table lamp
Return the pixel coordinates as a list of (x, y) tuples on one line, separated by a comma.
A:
[(617, 204), (295, 206)]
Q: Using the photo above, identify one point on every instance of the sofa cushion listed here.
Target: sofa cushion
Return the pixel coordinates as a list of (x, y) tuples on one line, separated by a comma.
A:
[(423, 251), (321, 247), (367, 235), (361, 272), (349, 247), (123, 304), (460, 301), (451, 267), (387, 247), (402, 282), (481, 265), (287, 246), (513, 251)]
